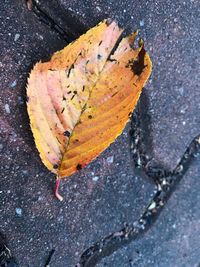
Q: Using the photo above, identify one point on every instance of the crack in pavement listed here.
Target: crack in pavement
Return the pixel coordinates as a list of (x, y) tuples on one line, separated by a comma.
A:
[(6, 258), (165, 181), (70, 27)]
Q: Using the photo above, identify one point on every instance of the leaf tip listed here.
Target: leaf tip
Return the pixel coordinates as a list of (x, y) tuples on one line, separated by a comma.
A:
[(141, 43)]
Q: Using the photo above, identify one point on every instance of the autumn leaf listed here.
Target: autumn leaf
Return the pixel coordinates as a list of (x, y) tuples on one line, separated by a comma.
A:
[(81, 100)]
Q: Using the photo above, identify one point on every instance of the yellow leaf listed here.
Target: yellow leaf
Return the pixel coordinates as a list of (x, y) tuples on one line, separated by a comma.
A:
[(81, 100)]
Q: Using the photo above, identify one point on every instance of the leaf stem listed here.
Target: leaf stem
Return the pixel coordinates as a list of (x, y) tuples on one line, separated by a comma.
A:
[(56, 188)]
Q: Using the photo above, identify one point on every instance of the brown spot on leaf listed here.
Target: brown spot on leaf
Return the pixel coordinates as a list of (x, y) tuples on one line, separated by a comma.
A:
[(112, 59), (114, 94), (58, 140), (79, 167), (70, 69), (137, 66)]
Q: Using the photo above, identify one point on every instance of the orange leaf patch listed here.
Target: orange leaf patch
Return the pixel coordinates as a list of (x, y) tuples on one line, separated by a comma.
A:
[(81, 100)]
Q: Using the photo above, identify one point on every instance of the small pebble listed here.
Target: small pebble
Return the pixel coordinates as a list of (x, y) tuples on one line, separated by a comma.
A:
[(98, 8), (110, 159), (20, 100), (181, 90), (182, 111), (18, 211), (13, 84), (95, 178), (141, 23), (40, 198), (25, 172), (7, 108), (175, 20), (152, 206), (17, 35)]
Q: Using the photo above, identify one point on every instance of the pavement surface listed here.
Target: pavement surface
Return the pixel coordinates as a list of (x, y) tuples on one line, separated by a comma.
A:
[(107, 193)]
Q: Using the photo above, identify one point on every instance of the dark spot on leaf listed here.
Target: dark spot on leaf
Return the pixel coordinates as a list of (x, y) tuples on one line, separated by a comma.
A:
[(112, 59), (99, 56), (72, 97), (100, 43), (75, 92), (137, 66), (27, 99), (69, 92), (83, 88), (58, 140), (87, 62), (70, 69), (89, 116), (79, 167), (66, 133), (114, 94), (62, 110), (64, 98), (55, 166)]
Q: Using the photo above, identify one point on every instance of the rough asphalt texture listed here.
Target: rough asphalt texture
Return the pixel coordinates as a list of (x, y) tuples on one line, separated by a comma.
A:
[(106, 194)]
